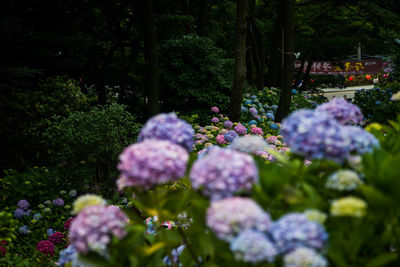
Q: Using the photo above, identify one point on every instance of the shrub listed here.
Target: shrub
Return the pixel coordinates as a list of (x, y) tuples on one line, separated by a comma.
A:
[(376, 104), (195, 75), (86, 144)]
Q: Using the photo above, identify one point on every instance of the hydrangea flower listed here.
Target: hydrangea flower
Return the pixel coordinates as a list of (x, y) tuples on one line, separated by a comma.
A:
[(228, 124), (46, 247), (304, 257), (23, 230), (215, 120), (63, 192), (87, 200), (151, 162), (207, 150), (295, 230), (19, 213), (257, 131), (253, 111), (273, 126), (3, 248), (249, 144), (220, 139), (50, 231), (58, 202), (94, 226), (175, 253), (342, 110), (72, 193), (223, 172), (274, 107), (57, 238), (315, 215), (315, 136), (168, 127), (229, 216), (349, 206), (47, 210), (47, 202), (68, 255), (37, 216), (270, 116), (252, 246), (343, 180), (240, 129), (23, 204), (215, 109), (230, 136), (223, 131), (68, 222), (361, 140)]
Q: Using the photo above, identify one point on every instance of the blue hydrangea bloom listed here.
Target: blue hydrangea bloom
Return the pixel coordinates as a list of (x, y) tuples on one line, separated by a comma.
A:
[(315, 136), (244, 110), (274, 107), (248, 102), (361, 140), (50, 231), (37, 216), (175, 253), (19, 213), (252, 246), (23, 230), (294, 91), (68, 255), (270, 116), (230, 136), (168, 127), (253, 97), (378, 102), (295, 230), (273, 126), (253, 122)]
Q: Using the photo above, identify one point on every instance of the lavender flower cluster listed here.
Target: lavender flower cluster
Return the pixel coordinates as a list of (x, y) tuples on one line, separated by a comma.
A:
[(93, 227), (295, 230), (227, 217), (22, 209), (222, 173), (342, 110), (317, 135), (168, 127), (255, 238), (151, 162)]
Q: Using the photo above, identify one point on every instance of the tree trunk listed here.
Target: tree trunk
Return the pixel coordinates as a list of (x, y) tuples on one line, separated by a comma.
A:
[(151, 60), (258, 45), (249, 57), (240, 60), (274, 75), (287, 66)]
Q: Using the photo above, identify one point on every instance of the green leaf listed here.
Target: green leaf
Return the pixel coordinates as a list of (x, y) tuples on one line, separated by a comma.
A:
[(382, 260)]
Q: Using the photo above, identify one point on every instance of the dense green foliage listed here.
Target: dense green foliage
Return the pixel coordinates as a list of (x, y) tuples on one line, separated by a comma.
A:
[(196, 73), (86, 144)]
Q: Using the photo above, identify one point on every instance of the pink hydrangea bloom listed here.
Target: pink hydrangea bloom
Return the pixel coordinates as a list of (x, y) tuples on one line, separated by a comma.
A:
[(215, 109), (220, 139), (257, 131), (46, 247), (215, 120)]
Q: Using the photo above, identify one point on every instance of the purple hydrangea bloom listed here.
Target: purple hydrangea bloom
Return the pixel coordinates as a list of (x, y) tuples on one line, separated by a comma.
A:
[(249, 144), (23, 204), (175, 253), (315, 136), (58, 202), (215, 109), (229, 216), (168, 127), (230, 136), (150, 163), (253, 111), (228, 124), (342, 110), (215, 120), (252, 246), (224, 172), (19, 213), (361, 140), (295, 230), (94, 226), (240, 129)]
